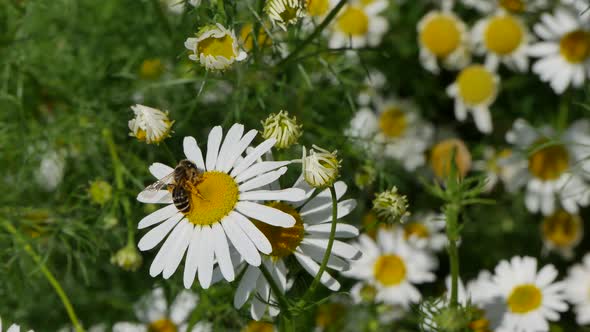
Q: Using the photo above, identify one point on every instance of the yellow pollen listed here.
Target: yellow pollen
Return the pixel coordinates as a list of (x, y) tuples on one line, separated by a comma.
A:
[(525, 298), (562, 229), (353, 21), (254, 326), (247, 39), (284, 241), (441, 154), (212, 198), (550, 162), (140, 134), (392, 122), (151, 69), (329, 314), (223, 46), (317, 7), (503, 34), (441, 35), (389, 270), (162, 325), (575, 46), (416, 229), (514, 6), (476, 85)]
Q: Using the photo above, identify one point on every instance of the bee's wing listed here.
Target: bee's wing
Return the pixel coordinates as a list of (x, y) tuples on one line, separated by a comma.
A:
[(153, 188)]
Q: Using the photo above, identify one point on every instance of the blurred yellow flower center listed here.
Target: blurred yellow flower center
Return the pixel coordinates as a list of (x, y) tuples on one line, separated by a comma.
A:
[(417, 230), (289, 13), (212, 198), (575, 46), (223, 46), (389, 270), (353, 21), (368, 293), (562, 229), (525, 298), (441, 35), (392, 122), (480, 325), (515, 6), (255, 326), (329, 314), (493, 163), (503, 34), (162, 325), (151, 69), (441, 154), (550, 162), (247, 37), (284, 240), (318, 7), (476, 85)]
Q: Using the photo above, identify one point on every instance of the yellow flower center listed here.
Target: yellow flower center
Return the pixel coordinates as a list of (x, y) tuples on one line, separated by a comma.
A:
[(223, 46), (255, 326), (493, 165), (503, 34), (389, 270), (550, 162), (284, 240), (441, 154), (246, 36), (515, 6), (480, 325), (476, 85), (329, 314), (441, 35), (562, 229), (525, 298), (392, 122), (151, 69), (353, 21), (417, 230), (162, 325), (317, 7), (212, 198), (575, 46)]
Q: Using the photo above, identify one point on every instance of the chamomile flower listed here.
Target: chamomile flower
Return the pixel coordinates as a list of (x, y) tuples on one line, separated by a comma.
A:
[(358, 26), (150, 124), (441, 154), (564, 51), (577, 290), (320, 167), (392, 266), (562, 232), (443, 37), (374, 82), (306, 241), (318, 9), (502, 37), (221, 200), (511, 6), (51, 170), (426, 231), (214, 47), (155, 314), (285, 12), (395, 131), (496, 168), (475, 89), (12, 328), (550, 167), (531, 297)]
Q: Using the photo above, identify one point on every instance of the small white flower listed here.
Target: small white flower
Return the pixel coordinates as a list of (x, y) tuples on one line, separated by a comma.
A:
[(283, 128), (475, 89), (285, 12), (155, 314), (390, 206), (150, 124), (373, 83), (51, 170), (562, 232), (12, 328), (497, 168), (426, 231), (511, 6), (215, 47), (577, 290), (564, 51), (321, 167), (358, 26)]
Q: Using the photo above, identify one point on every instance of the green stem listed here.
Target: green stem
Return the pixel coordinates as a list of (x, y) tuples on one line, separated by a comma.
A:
[(49, 276), (316, 32), (162, 16), (328, 252), (452, 216)]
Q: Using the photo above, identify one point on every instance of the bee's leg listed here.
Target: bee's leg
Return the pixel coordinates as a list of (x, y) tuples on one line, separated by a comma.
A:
[(199, 195)]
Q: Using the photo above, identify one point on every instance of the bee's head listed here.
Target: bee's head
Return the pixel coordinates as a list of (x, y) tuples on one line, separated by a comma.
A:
[(187, 164)]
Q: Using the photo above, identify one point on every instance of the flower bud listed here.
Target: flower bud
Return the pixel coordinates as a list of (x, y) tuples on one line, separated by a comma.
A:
[(282, 128), (320, 168), (100, 192), (150, 125), (441, 154), (390, 206), (127, 258), (285, 12)]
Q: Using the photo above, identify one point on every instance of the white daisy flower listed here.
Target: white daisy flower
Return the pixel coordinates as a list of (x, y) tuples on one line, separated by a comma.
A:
[(373, 83), (51, 170), (221, 201), (12, 328), (580, 6), (392, 266), (577, 290), (503, 38), (150, 124), (496, 168), (474, 90), (442, 36), (426, 231), (285, 12), (562, 232), (395, 131), (511, 6), (306, 241), (531, 298), (358, 26), (552, 168), (564, 49), (155, 314), (215, 47)]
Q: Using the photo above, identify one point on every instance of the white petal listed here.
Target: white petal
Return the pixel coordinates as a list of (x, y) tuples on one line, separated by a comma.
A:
[(262, 180), (236, 153), (339, 248), (247, 284), (158, 216), (265, 214), (317, 254), (322, 216), (155, 236), (255, 235), (289, 195), (241, 241), (213, 143), (160, 170), (324, 199), (260, 168), (342, 230), (229, 143), (177, 252), (166, 250), (183, 305), (192, 256), (312, 268), (193, 152), (483, 119), (261, 149), (221, 249), (205, 259)]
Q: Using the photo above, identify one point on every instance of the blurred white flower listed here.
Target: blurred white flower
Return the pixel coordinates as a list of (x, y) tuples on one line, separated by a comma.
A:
[(577, 290), (497, 167), (425, 230), (562, 232), (51, 170), (150, 124), (511, 6), (215, 47), (12, 328), (358, 25), (285, 12)]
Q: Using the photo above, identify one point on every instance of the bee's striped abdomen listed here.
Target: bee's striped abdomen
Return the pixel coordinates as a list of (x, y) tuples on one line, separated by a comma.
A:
[(181, 199)]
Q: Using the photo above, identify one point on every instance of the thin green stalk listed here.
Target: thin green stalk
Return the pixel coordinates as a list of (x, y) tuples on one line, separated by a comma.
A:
[(316, 32), (328, 252), (49, 276), (452, 215)]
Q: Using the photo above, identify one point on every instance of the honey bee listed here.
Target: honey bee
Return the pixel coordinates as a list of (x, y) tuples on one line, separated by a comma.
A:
[(180, 182)]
